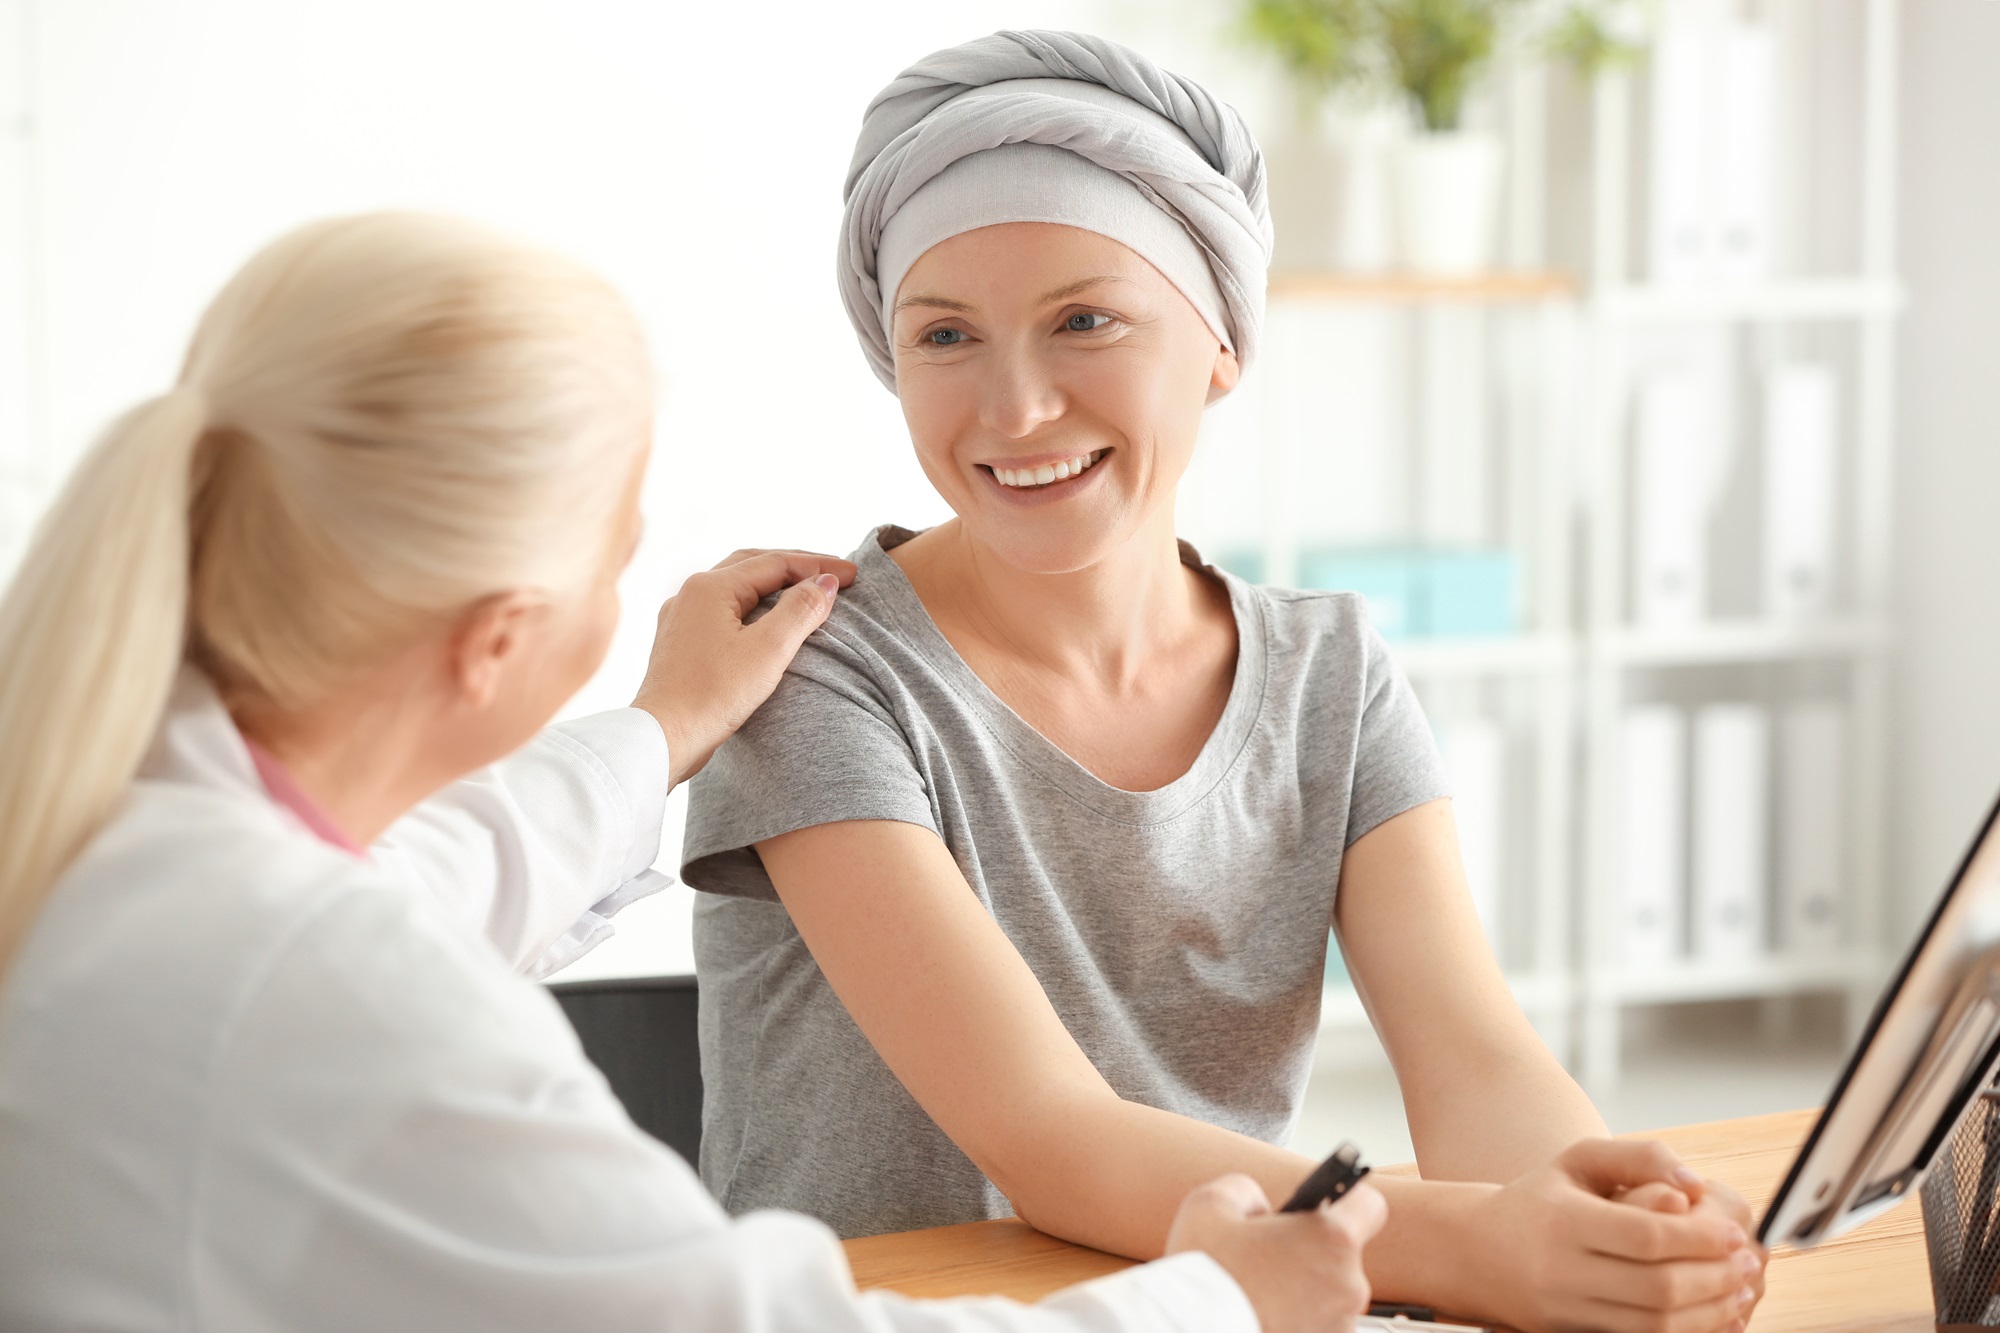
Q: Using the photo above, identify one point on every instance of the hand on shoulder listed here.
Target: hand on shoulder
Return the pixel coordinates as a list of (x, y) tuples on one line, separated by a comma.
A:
[(710, 670)]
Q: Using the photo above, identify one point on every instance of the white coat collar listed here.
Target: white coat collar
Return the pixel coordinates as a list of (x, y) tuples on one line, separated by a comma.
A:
[(197, 742)]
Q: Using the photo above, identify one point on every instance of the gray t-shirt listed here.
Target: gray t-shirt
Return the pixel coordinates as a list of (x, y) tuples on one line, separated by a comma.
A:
[(1181, 933)]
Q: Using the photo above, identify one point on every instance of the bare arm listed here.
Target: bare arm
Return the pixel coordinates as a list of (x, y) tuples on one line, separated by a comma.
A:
[(955, 1012), (1485, 1097)]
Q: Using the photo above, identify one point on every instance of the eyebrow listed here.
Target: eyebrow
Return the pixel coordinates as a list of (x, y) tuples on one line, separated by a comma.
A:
[(1068, 289)]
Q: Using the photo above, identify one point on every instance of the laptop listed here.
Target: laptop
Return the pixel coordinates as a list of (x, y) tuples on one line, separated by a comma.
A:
[(1930, 1047)]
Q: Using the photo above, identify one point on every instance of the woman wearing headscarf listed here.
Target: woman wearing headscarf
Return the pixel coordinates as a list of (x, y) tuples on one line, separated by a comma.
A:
[(1017, 890), (272, 868)]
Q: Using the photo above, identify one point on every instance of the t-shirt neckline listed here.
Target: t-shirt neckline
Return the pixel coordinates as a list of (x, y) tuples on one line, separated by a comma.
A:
[(1218, 754)]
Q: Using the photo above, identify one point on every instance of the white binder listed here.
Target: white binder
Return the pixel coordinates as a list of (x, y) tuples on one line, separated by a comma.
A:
[(1800, 442), (1732, 756), (1812, 791), (1674, 441), (1652, 833), (1743, 119)]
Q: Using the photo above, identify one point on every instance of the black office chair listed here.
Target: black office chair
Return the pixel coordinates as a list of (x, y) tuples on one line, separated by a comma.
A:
[(641, 1032)]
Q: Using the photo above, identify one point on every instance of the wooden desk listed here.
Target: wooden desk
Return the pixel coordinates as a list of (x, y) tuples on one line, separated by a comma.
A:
[(1872, 1279)]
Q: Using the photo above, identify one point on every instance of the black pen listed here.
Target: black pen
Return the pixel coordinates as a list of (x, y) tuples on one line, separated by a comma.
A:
[(1330, 1180)]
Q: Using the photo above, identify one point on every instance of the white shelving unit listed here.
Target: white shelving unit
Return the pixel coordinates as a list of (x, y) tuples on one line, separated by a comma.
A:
[(1617, 312), (1533, 504), (1562, 495)]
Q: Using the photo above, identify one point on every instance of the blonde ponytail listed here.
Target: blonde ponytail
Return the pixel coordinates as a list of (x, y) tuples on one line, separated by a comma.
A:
[(381, 420), (90, 639)]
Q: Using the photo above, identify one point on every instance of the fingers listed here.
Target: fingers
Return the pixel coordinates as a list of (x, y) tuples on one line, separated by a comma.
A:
[(801, 610), (750, 581), (1623, 1232), (1711, 1316), (1605, 1166), (1656, 1198), (1720, 1198), (1359, 1215), (1678, 1285), (824, 564)]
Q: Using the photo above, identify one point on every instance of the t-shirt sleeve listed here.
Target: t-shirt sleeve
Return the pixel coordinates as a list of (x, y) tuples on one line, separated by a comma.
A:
[(1396, 761), (828, 746)]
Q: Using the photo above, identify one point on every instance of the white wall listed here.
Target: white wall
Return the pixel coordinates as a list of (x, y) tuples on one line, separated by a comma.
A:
[(1947, 753), (692, 151)]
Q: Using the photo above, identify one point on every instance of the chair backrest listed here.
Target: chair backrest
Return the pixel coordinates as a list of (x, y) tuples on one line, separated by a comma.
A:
[(640, 1031)]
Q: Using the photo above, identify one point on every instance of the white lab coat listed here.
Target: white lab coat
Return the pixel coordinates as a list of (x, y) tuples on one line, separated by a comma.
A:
[(249, 1082)]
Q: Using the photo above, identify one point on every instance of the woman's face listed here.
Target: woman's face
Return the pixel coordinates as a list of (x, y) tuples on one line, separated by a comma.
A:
[(1054, 383)]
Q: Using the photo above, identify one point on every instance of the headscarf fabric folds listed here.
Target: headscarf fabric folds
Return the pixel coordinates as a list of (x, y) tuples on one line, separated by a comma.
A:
[(1201, 168)]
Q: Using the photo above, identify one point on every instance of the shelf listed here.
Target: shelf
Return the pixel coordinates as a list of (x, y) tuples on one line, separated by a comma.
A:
[(1743, 641), (1500, 287), (1519, 654), (1755, 977), (1805, 298)]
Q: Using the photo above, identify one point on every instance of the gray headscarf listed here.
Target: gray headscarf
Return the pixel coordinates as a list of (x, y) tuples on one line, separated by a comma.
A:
[(1156, 162)]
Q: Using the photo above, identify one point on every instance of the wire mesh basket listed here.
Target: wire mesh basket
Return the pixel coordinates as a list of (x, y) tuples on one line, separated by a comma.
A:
[(1961, 1199)]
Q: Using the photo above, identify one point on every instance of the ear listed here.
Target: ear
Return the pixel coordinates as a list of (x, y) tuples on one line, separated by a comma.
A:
[(1226, 372), (487, 642)]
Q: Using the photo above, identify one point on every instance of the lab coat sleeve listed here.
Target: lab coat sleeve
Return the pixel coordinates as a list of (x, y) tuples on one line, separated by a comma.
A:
[(540, 850), (406, 1137)]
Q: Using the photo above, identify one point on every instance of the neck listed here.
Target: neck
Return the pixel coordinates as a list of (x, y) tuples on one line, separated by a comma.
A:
[(1106, 621), (361, 760)]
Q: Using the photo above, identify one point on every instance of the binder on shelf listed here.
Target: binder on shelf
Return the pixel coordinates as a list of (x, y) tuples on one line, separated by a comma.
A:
[(1652, 833), (1475, 757), (1423, 592), (1742, 139), (1732, 749), (1712, 145), (1800, 460), (1678, 228), (1673, 441), (1812, 789)]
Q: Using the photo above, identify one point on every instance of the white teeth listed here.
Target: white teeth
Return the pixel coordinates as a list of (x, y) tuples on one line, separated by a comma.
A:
[(1046, 474)]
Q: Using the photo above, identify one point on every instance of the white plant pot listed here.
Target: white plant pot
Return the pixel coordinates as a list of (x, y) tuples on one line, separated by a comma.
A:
[(1364, 237), (1447, 191)]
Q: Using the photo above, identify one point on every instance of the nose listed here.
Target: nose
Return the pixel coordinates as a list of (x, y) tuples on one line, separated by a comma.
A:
[(1019, 396)]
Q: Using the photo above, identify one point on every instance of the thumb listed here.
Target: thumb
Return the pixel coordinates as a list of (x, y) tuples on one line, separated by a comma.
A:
[(1606, 1166), (801, 609)]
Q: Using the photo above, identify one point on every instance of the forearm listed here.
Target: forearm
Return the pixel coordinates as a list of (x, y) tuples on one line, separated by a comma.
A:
[(1114, 1178), (1110, 1174), (1496, 1118), (1431, 1249)]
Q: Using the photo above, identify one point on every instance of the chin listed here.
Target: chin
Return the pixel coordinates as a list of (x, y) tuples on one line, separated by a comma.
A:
[(1041, 546)]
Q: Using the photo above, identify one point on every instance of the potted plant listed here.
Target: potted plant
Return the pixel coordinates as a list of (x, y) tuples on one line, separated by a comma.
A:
[(1429, 55)]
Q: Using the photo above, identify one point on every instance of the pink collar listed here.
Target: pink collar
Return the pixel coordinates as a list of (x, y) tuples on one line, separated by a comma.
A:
[(286, 792)]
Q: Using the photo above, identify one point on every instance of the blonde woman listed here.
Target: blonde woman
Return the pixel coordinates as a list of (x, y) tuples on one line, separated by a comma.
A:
[(1017, 890), (273, 858)]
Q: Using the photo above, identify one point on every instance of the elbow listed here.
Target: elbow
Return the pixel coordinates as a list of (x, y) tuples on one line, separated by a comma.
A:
[(1062, 1183)]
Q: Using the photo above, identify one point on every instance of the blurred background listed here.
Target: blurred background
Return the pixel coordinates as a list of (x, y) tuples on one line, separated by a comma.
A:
[(1633, 359)]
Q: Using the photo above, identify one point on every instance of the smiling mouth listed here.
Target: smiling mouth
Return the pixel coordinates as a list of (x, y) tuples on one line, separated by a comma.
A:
[(1034, 478)]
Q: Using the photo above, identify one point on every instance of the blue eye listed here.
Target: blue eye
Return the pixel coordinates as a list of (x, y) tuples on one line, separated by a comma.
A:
[(945, 337), (1086, 322)]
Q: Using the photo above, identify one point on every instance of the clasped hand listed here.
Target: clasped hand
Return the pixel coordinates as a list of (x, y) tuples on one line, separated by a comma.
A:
[(1618, 1236)]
